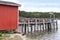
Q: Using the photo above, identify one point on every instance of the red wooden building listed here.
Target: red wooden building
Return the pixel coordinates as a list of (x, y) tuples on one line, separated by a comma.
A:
[(8, 15)]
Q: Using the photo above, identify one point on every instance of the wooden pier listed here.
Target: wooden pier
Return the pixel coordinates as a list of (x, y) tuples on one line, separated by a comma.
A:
[(37, 24)]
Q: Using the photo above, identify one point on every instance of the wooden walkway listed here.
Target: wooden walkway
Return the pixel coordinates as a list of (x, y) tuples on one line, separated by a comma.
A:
[(43, 25)]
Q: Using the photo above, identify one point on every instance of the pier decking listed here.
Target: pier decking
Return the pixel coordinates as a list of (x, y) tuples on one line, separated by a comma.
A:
[(37, 24)]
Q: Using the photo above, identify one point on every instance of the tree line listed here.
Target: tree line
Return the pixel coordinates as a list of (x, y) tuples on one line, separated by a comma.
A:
[(37, 14)]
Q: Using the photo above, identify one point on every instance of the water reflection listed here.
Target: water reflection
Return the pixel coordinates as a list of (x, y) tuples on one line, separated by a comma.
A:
[(41, 34), (53, 34)]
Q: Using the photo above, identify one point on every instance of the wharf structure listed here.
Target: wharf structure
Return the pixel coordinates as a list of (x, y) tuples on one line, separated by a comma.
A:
[(30, 25)]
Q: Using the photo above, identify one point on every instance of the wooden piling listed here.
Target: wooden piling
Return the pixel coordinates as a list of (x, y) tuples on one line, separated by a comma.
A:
[(31, 29), (28, 25), (34, 28), (22, 28), (36, 23), (25, 29), (43, 24), (40, 27), (56, 24), (48, 26), (37, 29)]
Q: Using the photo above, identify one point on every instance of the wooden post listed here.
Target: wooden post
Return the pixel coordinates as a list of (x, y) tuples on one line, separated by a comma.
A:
[(31, 28), (36, 23), (40, 26), (51, 24), (34, 28), (54, 21), (25, 29), (48, 26), (22, 28), (28, 25), (43, 24), (56, 24)]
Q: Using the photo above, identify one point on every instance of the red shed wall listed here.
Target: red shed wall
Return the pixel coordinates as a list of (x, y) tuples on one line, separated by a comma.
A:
[(8, 17)]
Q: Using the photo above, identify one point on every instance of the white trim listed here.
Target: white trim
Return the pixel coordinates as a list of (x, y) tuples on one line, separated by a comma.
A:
[(9, 3)]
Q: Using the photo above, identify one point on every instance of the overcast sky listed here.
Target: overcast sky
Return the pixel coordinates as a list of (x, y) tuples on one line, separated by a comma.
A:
[(38, 5)]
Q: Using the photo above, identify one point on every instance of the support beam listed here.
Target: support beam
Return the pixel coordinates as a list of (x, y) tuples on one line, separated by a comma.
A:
[(22, 28), (25, 29), (43, 24), (40, 27), (31, 29), (36, 24), (28, 25), (56, 24)]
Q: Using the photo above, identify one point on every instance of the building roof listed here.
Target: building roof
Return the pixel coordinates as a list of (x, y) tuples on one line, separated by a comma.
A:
[(9, 3)]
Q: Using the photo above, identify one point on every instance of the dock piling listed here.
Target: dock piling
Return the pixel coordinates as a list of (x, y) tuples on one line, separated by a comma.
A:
[(56, 24), (38, 25)]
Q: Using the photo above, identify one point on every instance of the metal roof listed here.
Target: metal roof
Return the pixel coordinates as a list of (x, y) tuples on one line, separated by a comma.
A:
[(9, 3)]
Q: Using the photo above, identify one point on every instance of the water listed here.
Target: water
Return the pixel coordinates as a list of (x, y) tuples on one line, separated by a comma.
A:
[(50, 35), (46, 35)]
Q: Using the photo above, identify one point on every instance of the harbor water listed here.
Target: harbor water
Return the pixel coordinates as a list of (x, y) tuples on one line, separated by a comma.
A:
[(44, 35)]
